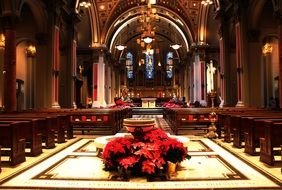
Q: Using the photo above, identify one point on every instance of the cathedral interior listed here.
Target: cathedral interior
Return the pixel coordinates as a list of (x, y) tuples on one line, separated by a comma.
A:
[(204, 71)]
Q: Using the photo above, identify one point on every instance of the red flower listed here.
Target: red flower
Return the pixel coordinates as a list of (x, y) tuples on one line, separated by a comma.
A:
[(148, 167), (146, 156), (128, 161)]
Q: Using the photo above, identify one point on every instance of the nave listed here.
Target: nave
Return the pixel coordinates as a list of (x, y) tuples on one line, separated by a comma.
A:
[(214, 164)]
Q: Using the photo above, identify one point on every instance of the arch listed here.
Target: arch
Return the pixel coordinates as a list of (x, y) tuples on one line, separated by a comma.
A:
[(255, 10), (128, 17), (94, 23), (37, 9)]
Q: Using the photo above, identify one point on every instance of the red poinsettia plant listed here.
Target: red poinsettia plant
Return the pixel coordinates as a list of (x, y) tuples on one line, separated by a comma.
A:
[(147, 155)]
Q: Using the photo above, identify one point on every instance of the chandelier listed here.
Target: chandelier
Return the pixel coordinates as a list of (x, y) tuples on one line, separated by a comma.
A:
[(148, 15), (206, 2), (175, 46), (85, 4), (120, 47)]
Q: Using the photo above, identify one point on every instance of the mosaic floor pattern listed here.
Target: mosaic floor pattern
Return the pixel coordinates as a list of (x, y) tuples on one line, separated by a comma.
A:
[(78, 166)]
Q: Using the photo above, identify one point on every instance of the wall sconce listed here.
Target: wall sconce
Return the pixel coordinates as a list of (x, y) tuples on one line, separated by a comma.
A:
[(30, 51), (266, 49), (2, 41)]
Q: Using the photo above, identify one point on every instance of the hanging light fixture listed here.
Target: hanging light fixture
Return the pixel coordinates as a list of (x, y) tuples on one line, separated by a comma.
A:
[(85, 4), (206, 2), (147, 39), (175, 46), (120, 47)]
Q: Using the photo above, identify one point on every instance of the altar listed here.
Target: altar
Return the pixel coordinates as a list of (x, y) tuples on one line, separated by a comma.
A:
[(148, 102)]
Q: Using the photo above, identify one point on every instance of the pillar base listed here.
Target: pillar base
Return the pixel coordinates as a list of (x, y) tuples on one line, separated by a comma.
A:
[(74, 105), (98, 104), (240, 104), (56, 105)]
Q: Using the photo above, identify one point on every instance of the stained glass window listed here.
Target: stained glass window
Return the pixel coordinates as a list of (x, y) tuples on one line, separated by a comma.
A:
[(129, 65), (149, 66), (169, 65)]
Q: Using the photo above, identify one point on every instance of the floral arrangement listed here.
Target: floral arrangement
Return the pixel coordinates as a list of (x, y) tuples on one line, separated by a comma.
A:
[(148, 155)]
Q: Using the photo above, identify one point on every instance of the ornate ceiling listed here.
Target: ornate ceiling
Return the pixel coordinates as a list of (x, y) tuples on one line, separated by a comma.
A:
[(180, 21)]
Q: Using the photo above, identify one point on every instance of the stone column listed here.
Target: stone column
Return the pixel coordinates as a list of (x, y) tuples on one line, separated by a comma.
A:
[(223, 48), (241, 54), (108, 86), (30, 81), (56, 67), (199, 72), (9, 68), (1, 77), (99, 82), (277, 5), (240, 102), (74, 73)]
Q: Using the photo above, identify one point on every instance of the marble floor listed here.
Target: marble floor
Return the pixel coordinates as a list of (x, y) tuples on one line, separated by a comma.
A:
[(75, 164)]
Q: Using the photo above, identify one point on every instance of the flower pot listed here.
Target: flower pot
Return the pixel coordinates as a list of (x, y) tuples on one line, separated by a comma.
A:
[(171, 168), (141, 125)]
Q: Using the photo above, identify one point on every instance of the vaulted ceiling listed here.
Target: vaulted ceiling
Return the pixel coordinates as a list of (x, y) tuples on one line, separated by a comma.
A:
[(116, 22)]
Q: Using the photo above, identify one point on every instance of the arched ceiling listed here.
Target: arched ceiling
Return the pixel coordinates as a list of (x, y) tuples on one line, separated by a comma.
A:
[(179, 23)]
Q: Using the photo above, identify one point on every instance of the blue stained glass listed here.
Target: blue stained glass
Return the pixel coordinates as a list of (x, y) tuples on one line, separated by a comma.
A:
[(149, 66), (129, 65), (169, 65)]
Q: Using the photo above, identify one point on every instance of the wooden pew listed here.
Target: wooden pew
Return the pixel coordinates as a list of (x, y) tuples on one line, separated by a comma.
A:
[(30, 131), (44, 125), (10, 137), (254, 130), (231, 122), (239, 124), (0, 161), (104, 121), (272, 139), (189, 118), (52, 123)]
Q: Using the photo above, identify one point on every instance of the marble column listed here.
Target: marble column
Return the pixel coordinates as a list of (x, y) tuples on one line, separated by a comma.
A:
[(1, 77), (56, 68), (74, 75), (277, 6), (199, 72), (30, 82), (221, 71), (99, 82), (108, 86), (9, 69), (239, 63)]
